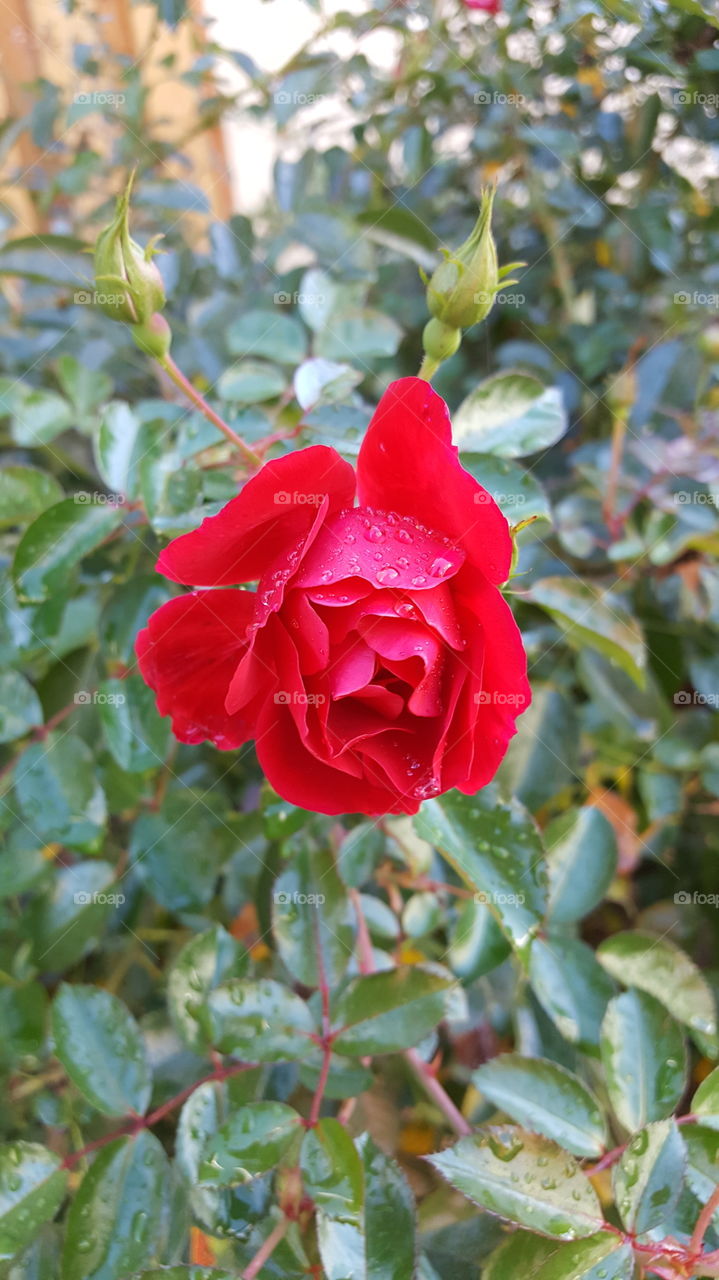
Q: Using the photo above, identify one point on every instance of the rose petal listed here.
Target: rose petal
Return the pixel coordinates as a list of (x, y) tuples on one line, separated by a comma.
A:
[(304, 780), (188, 653), (275, 510), (408, 464), (385, 550)]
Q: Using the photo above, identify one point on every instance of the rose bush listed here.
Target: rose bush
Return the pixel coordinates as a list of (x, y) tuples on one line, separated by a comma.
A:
[(377, 663)]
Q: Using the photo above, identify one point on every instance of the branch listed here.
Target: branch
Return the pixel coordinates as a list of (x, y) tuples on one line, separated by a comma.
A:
[(134, 1124), (265, 1250), (421, 1069), (193, 395)]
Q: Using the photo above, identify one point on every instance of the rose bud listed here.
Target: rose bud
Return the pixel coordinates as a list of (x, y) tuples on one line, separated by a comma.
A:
[(128, 282), (377, 663), (153, 337), (462, 289)]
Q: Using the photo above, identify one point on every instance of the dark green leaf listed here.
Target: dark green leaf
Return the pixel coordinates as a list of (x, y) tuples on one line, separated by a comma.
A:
[(58, 793), (253, 1140), (571, 987), (101, 1048), (57, 541), (259, 1021), (600, 1257), (545, 1098), (117, 1219), (386, 1012), (20, 708), (68, 921), (648, 1177), (312, 918), (136, 735), (24, 493), (497, 850), (332, 1173), (582, 860), (203, 963), (589, 616), (656, 965), (644, 1059), (525, 1178), (32, 1186)]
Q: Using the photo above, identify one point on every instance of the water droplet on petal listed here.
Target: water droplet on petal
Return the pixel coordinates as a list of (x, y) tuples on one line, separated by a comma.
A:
[(404, 535), (387, 575), (417, 582), (440, 567), (374, 533)]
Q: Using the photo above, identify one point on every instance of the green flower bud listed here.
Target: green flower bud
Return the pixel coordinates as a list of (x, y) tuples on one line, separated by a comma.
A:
[(462, 289), (129, 286), (153, 337), (440, 341)]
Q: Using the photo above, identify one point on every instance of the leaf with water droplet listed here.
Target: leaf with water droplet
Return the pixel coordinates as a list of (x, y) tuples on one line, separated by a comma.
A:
[(482, 1168), (32, 1186)]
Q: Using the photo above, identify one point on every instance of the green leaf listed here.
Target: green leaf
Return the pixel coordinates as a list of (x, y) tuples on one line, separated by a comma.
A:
[(178, 853), (545, 1098), (530, 1257), (68, 921), (644, 1059), (39, 416), (20, 707), (388, 1011), (251, 382), (57, 541), (702, 1147), (497, 850), (359, 853), (100, 1046), (23, 1017), (358, 334), (332, 1173), (389, 1216), (312, 919), (55, 259), (86, 388), (122, 442), (476, 942), (203, 963), (271, 335), (647, 1180), (590, 616), (58, 793), (525, 1178), (32, 1187), (510, 414), (259, 1021), (117, 1220), (253, 1140), (184, 1273), (582, 860), (705, 1102), (517, 492), (656, 965), (136, 735), (539, 763), (571, 987), (25, 492)]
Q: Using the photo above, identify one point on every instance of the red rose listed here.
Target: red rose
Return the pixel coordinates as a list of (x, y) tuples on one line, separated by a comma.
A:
[(377, 663), (487, 6)]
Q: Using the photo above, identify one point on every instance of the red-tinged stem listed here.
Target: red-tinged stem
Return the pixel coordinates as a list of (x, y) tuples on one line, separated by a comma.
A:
[(321, 1086), (39, 733), (703, 1222), (422, 1070), (431, 1084), (265, 1250), (193, 395), (134, 1124), (326, 1031)]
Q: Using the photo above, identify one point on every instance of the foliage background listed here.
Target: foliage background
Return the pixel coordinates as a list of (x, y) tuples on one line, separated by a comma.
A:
[(147, 887)]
